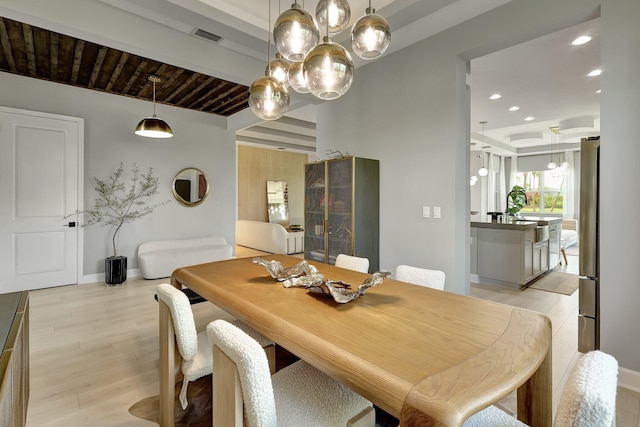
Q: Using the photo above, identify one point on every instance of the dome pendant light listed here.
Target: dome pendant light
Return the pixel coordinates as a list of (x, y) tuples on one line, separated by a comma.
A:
[(154, 127), (483, 171), (328, 69), (370, 35), (268, 97), (295, 33), (339, 14)]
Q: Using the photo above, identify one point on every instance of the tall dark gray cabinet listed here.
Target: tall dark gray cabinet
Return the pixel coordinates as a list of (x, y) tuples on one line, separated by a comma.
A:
[(342, 204)]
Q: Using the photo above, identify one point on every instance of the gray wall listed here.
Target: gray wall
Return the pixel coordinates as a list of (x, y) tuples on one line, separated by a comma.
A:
[(200, 140), (404, 110), (620, 151), (410, 110)]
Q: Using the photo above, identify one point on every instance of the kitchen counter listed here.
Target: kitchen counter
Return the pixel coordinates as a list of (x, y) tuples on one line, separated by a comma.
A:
[(511, 224), (510, 253)]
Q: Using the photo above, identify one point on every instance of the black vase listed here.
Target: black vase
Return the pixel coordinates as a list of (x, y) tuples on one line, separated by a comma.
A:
[(115, 270)]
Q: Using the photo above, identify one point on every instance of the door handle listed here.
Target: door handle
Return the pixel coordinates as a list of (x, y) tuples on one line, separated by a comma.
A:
[(71, 224)]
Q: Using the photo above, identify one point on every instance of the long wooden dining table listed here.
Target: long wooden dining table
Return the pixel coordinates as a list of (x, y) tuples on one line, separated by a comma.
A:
[(427, 357)]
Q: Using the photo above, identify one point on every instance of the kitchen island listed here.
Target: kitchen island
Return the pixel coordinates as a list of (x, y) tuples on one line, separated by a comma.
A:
[(515, 252)]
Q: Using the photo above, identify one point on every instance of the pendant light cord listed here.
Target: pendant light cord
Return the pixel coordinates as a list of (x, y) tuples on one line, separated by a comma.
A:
[(154, 98), (269, 39)]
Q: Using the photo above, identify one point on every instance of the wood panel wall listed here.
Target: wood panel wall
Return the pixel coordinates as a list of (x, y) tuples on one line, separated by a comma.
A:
[(256, 166)]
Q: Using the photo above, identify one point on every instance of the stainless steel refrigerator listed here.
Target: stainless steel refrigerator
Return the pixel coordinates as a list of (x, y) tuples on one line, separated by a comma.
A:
[(589, 244)]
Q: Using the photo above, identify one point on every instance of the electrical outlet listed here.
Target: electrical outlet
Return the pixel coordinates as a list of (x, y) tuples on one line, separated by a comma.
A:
[(436, 211), (425, 212)]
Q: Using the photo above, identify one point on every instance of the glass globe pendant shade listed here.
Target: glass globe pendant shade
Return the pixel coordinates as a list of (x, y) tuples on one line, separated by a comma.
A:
[(370, 35), (339, 14), (295, 33), (328, 70), (551, 165), (483, 171), (268, 98), (279, 70), (296, 77), (154, 127)]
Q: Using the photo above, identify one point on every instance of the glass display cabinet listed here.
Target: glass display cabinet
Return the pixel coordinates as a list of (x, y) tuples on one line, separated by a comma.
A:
[(342, 210)]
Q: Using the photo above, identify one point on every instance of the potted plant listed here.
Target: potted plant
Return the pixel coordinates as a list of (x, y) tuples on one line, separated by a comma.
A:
[(516, 199), (118, 204)]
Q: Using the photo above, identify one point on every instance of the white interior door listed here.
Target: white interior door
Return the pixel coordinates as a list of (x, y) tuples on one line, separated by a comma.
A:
[(39, 156)]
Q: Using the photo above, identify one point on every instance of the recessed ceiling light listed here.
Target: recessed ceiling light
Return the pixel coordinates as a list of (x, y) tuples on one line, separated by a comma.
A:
[(529, 118), (514, 108), (594, 73), (495, 96), (581, 40), (599, 91)]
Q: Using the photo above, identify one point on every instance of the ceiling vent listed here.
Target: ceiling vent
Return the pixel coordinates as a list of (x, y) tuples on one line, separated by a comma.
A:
[(199, 32)]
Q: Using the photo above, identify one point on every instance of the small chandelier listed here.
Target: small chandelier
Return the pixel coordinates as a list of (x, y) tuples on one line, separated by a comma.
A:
[(338, 13), (370, 35), (483, 171), (295, 33), (268, 97), (154, 127)]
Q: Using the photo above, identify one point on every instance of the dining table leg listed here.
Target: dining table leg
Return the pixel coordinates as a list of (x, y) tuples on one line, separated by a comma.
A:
[(535, 402), (167, 367)]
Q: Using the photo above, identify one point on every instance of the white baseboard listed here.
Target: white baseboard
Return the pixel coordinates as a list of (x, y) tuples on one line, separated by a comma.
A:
[(99, 277), (629, 379)]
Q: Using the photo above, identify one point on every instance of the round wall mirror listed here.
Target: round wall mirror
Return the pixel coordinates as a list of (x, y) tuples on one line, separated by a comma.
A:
[(190, 187)]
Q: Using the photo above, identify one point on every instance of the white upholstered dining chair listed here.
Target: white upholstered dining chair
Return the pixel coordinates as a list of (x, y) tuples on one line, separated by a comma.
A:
[(297, 395), (352, 263), (588, 399), (194, 348), (421, 276)]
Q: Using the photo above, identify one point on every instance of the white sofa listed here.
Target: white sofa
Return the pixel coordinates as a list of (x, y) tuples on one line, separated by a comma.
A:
[(268, 237), (160, 258)]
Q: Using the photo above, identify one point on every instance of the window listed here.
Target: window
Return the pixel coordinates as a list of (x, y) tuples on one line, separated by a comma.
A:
[(544, 190)]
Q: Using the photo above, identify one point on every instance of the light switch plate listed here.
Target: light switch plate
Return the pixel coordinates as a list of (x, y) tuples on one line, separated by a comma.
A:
[(436, 211), (425, 212)]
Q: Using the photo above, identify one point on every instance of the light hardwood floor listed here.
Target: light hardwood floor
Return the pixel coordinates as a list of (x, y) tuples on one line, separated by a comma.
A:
[(94, 349)]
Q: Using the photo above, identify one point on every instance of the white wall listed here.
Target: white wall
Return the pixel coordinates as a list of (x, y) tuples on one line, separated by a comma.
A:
[(620, 151), (410, 110), (200, 140)]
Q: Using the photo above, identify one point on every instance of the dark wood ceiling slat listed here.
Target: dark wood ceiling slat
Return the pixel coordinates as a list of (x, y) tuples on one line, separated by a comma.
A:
[(116, 72), (211, 92), (53, 62), (27, 33), (36, 52), (77, 60), (180, 88), (233, 103), (6, 46), (134, 76), (218, 98), (195, 92), (97, 66)]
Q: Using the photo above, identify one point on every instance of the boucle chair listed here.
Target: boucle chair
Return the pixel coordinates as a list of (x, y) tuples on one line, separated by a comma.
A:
[(421, 276), (588, 400), (194, 348), (352, 263), (298, 395)]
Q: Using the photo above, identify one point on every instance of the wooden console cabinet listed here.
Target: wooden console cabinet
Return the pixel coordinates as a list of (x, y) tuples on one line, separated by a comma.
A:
[(14, 361)]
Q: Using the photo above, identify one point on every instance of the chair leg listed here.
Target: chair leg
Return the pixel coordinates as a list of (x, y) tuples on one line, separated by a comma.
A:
[(366, 418), (270, 350), (227, 392), (564, 255)]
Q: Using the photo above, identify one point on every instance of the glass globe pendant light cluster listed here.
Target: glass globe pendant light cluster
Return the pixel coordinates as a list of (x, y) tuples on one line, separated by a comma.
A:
[(324, 69)]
